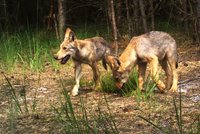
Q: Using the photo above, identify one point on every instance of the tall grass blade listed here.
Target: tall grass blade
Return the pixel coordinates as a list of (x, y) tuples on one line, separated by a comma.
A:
[(156, 126), (180, 108), (14, 94), (177, 115)]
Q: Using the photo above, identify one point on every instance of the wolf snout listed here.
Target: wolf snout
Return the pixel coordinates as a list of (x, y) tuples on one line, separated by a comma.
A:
[(119, 85), (55, 56)]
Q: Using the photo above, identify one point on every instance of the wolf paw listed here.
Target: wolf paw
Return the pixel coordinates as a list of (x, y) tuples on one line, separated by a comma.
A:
[(173, 90), (97, 88), (74, 93), (75, 90)]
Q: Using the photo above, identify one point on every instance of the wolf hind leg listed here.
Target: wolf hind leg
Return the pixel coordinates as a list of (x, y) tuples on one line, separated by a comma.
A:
[(173, 66), (96, 75), (155, 74), (165, 66)]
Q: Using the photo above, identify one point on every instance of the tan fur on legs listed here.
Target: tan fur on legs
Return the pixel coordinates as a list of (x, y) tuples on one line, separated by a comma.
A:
[(96, 74), (155, 74), (174, 87), (175, 82), (167, 69)]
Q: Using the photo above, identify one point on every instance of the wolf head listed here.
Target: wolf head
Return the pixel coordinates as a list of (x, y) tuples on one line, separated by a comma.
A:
[(120, 75), (67, 47)]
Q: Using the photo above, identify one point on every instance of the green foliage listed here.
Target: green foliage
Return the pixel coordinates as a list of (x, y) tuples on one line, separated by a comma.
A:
[(108, 83), (130, 88), (28, 50)]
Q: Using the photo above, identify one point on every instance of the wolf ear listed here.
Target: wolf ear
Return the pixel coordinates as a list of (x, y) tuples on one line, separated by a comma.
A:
[(113, 62), (69, 35), (117, 62)]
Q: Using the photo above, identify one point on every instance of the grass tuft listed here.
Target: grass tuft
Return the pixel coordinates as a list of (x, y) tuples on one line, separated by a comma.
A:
[(130, 88)]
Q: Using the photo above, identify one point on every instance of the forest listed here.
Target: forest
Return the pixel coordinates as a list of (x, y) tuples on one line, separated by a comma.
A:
[(37, 92)]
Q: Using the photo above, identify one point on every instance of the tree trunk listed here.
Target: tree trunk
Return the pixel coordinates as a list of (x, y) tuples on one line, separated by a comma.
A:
[(144, 21), (135, 17), (198, 21), (118, 13), (114, 27), (61, 18), (152, 15), (3, 14), (108, 19), (128, 17), (185, 16)]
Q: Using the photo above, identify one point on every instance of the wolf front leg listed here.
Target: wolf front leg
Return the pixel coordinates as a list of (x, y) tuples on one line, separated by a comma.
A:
[(78, 69)]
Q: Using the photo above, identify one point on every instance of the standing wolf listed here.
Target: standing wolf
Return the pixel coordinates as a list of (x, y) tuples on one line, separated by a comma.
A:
[(88, 51), (153, 48)]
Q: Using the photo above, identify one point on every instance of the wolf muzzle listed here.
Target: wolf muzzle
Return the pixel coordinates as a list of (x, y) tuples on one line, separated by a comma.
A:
[(63, 60)]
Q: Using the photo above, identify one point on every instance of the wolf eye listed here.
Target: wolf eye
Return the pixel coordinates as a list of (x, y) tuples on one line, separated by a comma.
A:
[(64, 48)]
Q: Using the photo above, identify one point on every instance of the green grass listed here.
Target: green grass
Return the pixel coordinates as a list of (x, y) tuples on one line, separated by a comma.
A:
[(130, 88), (26, 50), (33, 49)]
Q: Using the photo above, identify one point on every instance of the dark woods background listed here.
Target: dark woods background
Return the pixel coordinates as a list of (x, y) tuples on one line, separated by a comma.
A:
[(131, 17)]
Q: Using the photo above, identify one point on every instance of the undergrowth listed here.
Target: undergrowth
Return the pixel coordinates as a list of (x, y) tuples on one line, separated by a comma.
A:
[(130, 88), (26, 50)]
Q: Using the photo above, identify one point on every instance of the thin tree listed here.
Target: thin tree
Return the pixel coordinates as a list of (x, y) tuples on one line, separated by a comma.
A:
[(185, 16), (152, 15), (135, 17), (61, 18), (142, 10), (3, 13), (119, 15), (114, 26), (128, 17), (198, 21)]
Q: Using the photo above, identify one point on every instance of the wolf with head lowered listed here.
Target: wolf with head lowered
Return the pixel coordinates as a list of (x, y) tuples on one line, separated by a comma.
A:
[(154, 47), (88, 51)]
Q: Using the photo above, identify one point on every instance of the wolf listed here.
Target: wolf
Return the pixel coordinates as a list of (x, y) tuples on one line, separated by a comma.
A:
[(153, 48), (88, 51)]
